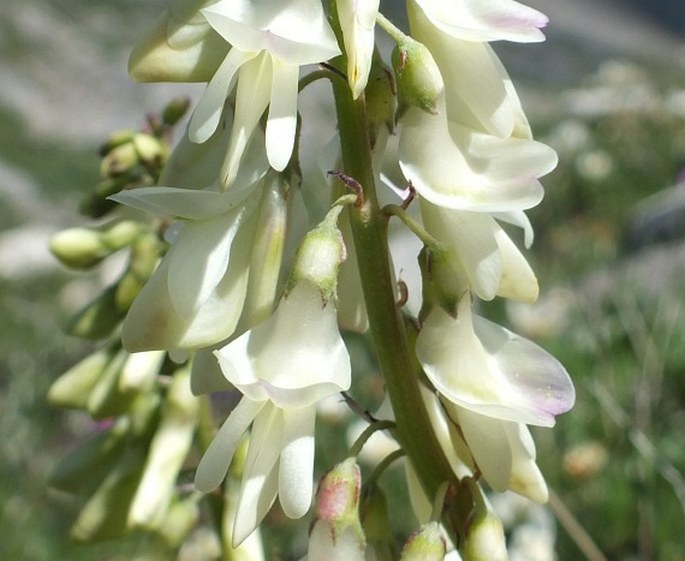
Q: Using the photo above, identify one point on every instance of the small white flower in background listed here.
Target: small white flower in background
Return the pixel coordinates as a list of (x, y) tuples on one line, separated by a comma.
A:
[(357, 21), (269, 41), (489, 370)]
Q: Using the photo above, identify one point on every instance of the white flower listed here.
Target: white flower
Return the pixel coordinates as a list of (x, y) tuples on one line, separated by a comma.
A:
[(486, 20), (283, 366), (357, 21), (489, 370), (195, 297), (269, 40), (504, 452), (483, 253), (458, 167), (478, 91)]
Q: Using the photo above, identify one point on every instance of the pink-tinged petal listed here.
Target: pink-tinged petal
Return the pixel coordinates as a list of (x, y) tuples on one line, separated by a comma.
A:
[(282, 122), (486, 20), (295, 483), (207, 114), (214, 464), (489, 370), (260, 479)]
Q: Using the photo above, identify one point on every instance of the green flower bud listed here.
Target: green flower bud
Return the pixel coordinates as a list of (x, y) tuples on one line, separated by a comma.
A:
[(168, 450), (175, 110), (381, 99), (97, 319), (484, 540), (105, 514), (418, 78), (119, 160), (107, 399), (376, 523), (150, 150), (79, 248), (319, 255), (117, 138), (71, 389), (427, 544)]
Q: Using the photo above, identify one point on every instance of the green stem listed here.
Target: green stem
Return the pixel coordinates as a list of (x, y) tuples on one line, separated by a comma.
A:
[(395, 356)]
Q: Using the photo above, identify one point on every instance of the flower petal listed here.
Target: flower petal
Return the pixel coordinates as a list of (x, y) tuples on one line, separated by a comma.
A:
[(486, 20), (295, 358), (487, 369), (199, 257), (295, 483), (207, 114), (252, 98), (260, 479), (282, 122), (190, 204), (214, 464)]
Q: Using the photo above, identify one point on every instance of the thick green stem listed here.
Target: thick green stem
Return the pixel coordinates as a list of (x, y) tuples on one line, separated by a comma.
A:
[(397, 365)]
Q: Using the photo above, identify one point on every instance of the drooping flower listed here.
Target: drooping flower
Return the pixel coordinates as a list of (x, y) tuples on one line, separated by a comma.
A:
[(196, 296), (357, 21), (483, 255), (489, 20), (489, 370), (269, 42), (283, 366)]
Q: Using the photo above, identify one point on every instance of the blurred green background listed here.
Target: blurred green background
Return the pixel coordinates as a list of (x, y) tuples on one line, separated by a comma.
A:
[(607, 90)]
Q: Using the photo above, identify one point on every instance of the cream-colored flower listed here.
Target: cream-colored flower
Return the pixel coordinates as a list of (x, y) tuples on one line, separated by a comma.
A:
[(269, 41), (284, 366), (357, 21), (489, 370)]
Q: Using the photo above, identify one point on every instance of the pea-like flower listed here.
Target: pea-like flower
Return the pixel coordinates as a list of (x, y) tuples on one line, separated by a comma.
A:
[(269, 41), (284, 367), (491, 371)]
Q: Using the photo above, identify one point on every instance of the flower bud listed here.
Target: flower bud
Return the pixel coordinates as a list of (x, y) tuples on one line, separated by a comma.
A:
[(78, 248), (150, 150), (381, 99), (337, 534), (117, 138), (71, 389), (168, 450), (419, 82), (319, 255), (427, 544), (484, 540), (175, 110), (119, 160)]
